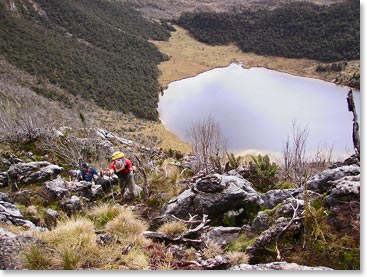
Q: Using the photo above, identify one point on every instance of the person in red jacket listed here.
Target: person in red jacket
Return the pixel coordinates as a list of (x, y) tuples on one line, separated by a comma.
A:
[(124, 170)]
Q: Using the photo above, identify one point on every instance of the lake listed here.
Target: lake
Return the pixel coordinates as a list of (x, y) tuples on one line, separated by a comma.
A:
[(255, 109)]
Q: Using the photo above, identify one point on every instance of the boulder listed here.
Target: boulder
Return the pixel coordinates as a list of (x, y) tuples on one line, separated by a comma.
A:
[(260, 222), (277, 266), (344, 190), (273, 197), (221, 235), (11, 246), (57, 189), (228, 193), (322, 182), (10, 214), (71, 206), (51, 217), (31, 173), (4, 197), (82, 188)]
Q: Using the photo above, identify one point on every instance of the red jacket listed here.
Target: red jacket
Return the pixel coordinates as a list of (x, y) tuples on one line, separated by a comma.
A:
[(126, 170)]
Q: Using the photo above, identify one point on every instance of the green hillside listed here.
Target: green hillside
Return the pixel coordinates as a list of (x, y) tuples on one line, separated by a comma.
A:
[(95, 49), (296, 30)]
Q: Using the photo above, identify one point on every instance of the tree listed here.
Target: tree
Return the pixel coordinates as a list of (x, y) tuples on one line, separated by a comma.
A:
[(206, 141)]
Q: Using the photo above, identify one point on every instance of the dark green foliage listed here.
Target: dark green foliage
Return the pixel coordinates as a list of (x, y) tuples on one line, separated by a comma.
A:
[(262, 173), (233, 162), (296, 30), (95, 49), (334, 67)]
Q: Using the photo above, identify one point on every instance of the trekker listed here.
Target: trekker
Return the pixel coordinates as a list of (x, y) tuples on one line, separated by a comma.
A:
[(124, 170), (74, 175), (88, 173)]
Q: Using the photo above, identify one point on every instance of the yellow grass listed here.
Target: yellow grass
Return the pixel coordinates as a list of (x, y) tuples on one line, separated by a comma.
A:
[(127, 228), (236, 258), (173, 228)]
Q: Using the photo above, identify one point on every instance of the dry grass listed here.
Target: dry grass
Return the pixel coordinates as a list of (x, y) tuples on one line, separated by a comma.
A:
[(103, 213), (236, 258), (173, 228), (213, 249), (75, 243), (136, 259), (127, 228)]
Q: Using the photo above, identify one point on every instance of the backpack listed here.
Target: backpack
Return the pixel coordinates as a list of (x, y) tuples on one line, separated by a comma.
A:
[(119, 165)]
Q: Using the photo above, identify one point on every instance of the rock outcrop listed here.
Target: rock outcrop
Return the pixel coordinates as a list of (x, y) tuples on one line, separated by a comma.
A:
[(213, 195), (11, 247), (30, 173), (10, 214)]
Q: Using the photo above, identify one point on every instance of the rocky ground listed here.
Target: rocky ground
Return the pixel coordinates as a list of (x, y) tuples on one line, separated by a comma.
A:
[(271, 228)]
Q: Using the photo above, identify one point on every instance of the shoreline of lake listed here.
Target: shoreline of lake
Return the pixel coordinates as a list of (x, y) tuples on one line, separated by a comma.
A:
[(287, 76)]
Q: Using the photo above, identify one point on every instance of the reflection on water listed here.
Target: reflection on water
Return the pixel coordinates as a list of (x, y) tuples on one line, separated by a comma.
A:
[(255, 108)]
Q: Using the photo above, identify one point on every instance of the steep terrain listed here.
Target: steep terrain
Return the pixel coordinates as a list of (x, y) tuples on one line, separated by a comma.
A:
[(97, 50)]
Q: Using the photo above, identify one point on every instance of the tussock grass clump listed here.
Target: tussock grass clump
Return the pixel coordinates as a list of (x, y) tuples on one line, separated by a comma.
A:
[(173, 228), (213, 249), (127, 227), (36, 258), (136, 259), (75, 243), (104, 213), (236, 257)]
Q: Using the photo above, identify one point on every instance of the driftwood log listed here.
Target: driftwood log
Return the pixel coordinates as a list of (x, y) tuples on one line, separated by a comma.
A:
[(352, 108)]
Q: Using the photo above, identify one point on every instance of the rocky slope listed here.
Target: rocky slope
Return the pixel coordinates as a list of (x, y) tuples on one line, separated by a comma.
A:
[(311, 227)]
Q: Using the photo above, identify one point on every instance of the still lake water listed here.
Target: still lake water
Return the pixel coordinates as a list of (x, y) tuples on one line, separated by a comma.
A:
[(255, 109)]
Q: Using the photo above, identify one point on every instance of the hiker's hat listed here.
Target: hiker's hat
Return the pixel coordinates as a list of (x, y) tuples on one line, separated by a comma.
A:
[(117, 155)]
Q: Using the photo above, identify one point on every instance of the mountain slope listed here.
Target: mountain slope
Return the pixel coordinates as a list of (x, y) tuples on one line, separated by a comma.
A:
[(296, 30), (95, 49)]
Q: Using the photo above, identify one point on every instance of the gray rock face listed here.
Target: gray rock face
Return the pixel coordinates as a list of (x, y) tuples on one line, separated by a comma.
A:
[(260, 222), (228, 193), (221, 235), (344, 190), (3, 179), (322, 182), (4, 197), (10, 214), (57, 189), (11, 246), (71, 206), (30, 173), (51, 217), (277, 266), (273, 197)]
